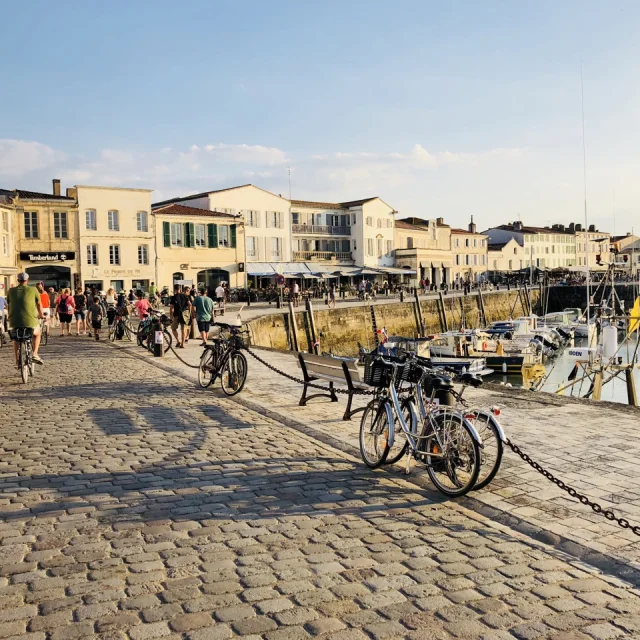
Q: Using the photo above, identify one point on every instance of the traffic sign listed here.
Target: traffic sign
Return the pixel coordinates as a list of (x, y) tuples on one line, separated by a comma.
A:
[(280, 280)]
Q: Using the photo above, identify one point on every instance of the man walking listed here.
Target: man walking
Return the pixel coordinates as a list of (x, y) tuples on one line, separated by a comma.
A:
[(220, 293), (203, 305), (25, 311), (180, 311)]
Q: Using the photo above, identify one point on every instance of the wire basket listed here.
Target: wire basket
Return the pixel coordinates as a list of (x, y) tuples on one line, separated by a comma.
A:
[(379, 374)]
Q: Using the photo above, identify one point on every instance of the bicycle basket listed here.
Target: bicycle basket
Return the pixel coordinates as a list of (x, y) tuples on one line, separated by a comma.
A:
[(21, 333), (376, 373)]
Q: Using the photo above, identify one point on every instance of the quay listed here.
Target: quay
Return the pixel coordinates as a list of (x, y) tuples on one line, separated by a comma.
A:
[(135, 505)]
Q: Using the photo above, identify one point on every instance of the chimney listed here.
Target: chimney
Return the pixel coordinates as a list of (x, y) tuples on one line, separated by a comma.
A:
[(439, 222), (572, 227), (517, 225), (56, 187), (592, 227), (628, 234), (578, 227), (472, 226), (72, 192)]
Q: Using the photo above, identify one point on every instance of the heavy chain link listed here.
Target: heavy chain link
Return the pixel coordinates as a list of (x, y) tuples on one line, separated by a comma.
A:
[(607, 513), (346, 392)]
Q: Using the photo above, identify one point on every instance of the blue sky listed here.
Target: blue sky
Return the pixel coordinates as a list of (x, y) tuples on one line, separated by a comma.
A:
[(441, 109)]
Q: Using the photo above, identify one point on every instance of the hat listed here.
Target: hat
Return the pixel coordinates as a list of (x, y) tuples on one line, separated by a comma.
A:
[(22, 277)]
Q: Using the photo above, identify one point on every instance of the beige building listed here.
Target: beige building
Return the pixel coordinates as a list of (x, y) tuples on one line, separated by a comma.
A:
[(44, 236), (8, 268), (469, 249), (198, 246), (599, 245), (116, 237), (506, 256), (424, 246)]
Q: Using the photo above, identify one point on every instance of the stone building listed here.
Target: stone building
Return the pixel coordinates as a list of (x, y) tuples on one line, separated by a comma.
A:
[(469, 249), (8, 268), (505, 257)]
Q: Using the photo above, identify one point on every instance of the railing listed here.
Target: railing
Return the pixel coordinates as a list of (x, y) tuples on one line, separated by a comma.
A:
[(328, 256), (321, 229)]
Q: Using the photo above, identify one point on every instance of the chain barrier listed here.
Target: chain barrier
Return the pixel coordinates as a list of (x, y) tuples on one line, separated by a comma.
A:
[(607, 513), (175, 353)]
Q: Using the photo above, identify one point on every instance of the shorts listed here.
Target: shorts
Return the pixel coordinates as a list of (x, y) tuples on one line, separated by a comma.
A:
[(176, 322), (96, 324), (220, 301), (46, 313), (80, 315), (65, 318), (204, 325)]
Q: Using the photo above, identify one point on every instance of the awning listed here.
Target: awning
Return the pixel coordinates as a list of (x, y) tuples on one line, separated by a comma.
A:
[(260, 269), (397, 270)]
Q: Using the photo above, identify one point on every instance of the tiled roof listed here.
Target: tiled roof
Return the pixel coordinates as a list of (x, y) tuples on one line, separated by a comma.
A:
[(533, 230), (182, 210), (206, 193), (401, 224), (467, 232), (33, 195), (316, 205), (496, 246), (357, 203)]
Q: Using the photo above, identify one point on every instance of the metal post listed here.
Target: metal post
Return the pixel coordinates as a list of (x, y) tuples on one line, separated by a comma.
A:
[(294, 328), (312, 325), (401, 295), (419, 313), (158, 339), (374, 324), (443, 317)]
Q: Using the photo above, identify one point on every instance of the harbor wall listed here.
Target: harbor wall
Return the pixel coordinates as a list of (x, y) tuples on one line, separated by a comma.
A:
[(340, 331), (563, 297)]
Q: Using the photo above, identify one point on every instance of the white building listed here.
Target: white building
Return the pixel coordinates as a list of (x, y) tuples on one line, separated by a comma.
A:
[(507, 256)]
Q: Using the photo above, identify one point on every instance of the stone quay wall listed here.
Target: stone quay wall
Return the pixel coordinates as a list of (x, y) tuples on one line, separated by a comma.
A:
[(566, 297), (341, 330)]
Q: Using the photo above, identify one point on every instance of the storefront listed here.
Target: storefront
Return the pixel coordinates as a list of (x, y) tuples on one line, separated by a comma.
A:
[(54, 268)]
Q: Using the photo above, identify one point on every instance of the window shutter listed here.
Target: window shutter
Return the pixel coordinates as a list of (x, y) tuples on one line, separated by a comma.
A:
[(192, 234), (212, 236), (232, 237), (166, 234)]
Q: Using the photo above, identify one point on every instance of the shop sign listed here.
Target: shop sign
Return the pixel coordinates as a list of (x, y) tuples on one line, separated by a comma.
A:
[(47, 256)]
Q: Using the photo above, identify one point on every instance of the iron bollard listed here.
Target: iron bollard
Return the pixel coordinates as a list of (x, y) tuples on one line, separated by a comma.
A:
[(158, 339), (401, 295), (278, 302)]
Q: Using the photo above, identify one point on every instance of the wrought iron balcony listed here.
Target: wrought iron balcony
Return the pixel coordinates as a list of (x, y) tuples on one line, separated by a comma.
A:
[(321, 229), (322, 256)]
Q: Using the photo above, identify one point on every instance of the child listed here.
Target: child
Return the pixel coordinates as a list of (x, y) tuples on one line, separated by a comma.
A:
[(95, 313)]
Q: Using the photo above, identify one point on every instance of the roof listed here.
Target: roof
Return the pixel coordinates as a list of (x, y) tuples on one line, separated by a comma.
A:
[(533, 230), (496, 246), (33, 195), (316, 205), (401, 224), (467, 232), (624, 237), (182, 210), (357, 203), (206, 193)]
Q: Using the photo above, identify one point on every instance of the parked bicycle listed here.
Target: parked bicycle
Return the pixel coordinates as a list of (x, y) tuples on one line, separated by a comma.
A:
[(145, 335), (121, 328), (24, 336), (223, 359), (443, 440)]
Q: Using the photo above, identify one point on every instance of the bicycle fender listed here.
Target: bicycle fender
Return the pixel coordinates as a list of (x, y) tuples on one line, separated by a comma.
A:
[(472, 429), (494, 422), (414, 416), (391, 424)]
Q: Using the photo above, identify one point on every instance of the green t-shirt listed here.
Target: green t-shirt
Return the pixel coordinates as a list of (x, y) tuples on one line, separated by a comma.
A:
[(152, 290), (22, 306), (204, 308)]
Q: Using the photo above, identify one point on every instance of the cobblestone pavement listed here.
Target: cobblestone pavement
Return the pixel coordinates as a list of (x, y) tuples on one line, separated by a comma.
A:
[(593, 447), (135, 506)]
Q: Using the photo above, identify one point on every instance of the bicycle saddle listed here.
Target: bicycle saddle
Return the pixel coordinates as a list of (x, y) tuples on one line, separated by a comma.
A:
[(470, 379), (442, 383)]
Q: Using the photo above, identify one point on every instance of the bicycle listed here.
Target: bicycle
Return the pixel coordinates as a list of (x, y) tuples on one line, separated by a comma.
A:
[(145, 335), (24, 335), (223, 359), (444, 441), (121, 328), (44, 332)]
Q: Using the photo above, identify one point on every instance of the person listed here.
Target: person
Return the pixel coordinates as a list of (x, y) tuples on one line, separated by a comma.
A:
[(45, 302), (332, 296), (121, 301), (132, 296), (95, 316), (52, 306), (220, 297), (110, 300), (80, 313), (3, 314), (203, 306), (296, 294), (65, 310), (25, 311), (142, 307), (152, 291), (179, 309)]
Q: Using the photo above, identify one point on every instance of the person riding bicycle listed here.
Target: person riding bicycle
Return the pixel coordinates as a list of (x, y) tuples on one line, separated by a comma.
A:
[(25, 311)]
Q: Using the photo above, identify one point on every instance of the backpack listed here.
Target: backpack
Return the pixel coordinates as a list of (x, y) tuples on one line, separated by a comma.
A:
[(80, 301), (63, 304)]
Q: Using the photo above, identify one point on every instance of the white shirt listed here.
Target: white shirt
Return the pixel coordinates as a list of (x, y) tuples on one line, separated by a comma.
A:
[(220, 291), (3, 303), (296, 288)]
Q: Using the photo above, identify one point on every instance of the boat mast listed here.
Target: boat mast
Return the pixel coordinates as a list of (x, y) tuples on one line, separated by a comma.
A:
[(584, 174)]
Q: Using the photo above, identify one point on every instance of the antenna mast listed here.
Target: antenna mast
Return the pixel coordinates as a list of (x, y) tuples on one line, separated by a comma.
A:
[(586, 223)]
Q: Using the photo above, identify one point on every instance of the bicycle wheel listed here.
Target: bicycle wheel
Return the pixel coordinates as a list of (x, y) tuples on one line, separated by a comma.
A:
[(492, 447), (44, 338), (374, 431), (451, 454), (141, 335), (400, 443), (112, 332), (167, 340), (22, 363), (234, 373), (206, 368)]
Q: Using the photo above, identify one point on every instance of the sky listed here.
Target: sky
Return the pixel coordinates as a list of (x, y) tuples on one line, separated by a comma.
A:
[(442, 109)]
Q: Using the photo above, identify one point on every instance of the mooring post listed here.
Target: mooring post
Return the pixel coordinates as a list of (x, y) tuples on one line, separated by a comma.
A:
[(631, 387), (312, 325), (597, 386), (374, 324), (294, 328), (418, 313), (483, 314), (444, 326)]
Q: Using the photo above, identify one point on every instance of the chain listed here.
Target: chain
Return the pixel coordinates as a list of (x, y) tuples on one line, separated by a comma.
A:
[(607, 513), (175, 353), (357, 392)]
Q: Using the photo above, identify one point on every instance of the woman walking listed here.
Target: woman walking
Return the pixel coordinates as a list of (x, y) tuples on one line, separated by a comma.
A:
[(66, 309), (110, 300), (80, 313)]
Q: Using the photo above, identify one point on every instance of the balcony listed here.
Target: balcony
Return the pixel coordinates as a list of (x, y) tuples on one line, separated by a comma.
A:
[(322, 256), (321, 230)]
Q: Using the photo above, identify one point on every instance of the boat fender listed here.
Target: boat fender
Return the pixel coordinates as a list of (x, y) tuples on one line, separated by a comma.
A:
[(504, 366), (484, 345)]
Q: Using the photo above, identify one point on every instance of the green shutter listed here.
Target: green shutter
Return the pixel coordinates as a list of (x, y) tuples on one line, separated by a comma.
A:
[(166, 234), (212, 235), (189, 233), (192, 234), (232, 239)]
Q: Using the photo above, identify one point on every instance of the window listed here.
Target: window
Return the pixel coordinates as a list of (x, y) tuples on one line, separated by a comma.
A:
[(379, 223), (389, 246), (114, 254), (409, 243), (92, 254), (274, 219), (355, 245), (466, 242), (90, 219), (457, 242), (252, 248), (467, 259), (475, 242), (510, 265), (353, 218), (475, 259), (30, 224), (143, 254), (369, 246), (5, 245), (389, 223), (200, 235), (223, 235), (253, 218), (379, 248), (276, 247), (369, 222), (60, 224), (231, 212), (515, 251), (295, 219), (458, 259), (142, 223), (176, 234), (5, 222), (114, 221)]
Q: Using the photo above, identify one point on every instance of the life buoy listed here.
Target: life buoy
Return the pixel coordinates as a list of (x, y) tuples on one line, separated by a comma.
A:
[(484, 345)]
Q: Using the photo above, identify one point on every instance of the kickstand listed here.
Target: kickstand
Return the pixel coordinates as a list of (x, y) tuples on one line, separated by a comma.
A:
[(407, 469)]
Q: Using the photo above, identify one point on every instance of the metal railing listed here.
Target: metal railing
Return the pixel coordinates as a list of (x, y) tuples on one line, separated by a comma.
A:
[(321, 229), (328, 256)]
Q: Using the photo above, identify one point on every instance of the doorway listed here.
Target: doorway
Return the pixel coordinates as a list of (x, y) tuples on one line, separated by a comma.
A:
[(211, 278), (56, 277)]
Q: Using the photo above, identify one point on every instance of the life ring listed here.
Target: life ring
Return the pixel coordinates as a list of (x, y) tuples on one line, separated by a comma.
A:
[(484, 345)]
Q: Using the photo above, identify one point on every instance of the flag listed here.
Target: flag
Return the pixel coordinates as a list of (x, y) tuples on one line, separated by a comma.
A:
[(634, 321)]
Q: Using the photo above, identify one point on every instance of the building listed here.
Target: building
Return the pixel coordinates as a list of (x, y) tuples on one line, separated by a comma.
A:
[(504, 257), (544, 247), (424, 246), (619, 243), (469, 249), (199, 246), (267, 219), (115, 237), (599, 245), (8, 256), (45, 235)]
